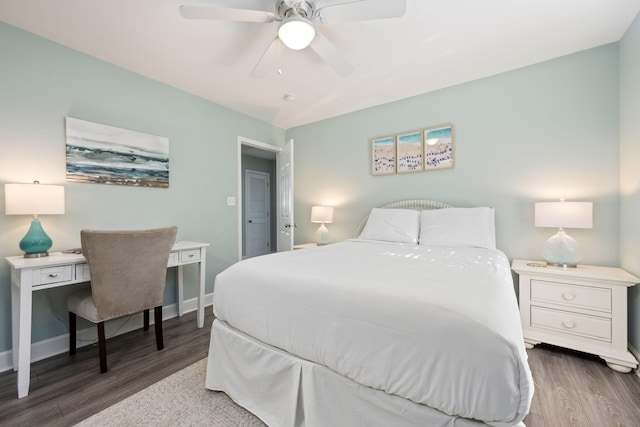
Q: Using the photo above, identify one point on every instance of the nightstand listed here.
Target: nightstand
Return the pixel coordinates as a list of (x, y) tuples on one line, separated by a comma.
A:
[(582, 308), (305, 246)]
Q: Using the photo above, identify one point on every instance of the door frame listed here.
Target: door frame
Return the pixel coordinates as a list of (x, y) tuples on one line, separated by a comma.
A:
[(256, 144)]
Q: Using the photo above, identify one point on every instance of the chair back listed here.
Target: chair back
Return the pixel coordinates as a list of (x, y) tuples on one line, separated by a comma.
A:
[(128, 268)]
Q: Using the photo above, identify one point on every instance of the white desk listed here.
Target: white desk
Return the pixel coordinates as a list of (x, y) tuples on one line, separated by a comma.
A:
[(33, 274)]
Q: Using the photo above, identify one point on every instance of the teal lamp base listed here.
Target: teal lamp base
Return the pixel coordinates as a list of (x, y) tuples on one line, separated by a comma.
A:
[(36, 243)]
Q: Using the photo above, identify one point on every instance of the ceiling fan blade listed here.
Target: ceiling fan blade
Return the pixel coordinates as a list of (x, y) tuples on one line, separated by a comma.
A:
[(225, 14), (328, 52), (265, 61), (362, 10), (330, 3)]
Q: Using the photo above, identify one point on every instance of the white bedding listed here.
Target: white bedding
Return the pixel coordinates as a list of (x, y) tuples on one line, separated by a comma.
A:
[(438, 326)]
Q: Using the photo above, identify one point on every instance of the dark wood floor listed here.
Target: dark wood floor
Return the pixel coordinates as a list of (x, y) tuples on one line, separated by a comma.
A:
[(67, 389), (572, 389)]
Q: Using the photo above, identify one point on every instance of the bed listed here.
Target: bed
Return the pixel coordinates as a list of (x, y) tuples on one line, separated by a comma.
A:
[(413, 323)]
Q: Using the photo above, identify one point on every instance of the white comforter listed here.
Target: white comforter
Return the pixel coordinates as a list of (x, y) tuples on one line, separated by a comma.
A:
[(436, 325)]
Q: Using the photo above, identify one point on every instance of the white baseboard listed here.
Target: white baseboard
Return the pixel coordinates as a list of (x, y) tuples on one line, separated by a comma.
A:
[(60, 344)]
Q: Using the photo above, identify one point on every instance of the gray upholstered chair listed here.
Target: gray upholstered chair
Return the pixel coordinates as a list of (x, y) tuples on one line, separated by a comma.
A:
[(128, 272)]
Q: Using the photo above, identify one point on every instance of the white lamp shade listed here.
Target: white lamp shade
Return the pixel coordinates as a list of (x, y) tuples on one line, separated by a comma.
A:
[(296, 32), (33, 199), (564, 214), (322, 214)]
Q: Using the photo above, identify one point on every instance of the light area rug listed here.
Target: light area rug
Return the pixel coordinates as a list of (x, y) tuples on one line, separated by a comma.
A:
[(178, 400)]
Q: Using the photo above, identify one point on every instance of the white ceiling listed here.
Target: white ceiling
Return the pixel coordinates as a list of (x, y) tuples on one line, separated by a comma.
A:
[(438, 43)]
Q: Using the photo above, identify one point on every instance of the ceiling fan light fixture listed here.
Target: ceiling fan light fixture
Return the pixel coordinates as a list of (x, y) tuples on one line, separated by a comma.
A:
[(296, 32)]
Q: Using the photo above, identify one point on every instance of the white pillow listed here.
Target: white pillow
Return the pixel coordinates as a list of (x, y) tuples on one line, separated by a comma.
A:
[(458, 227), (392, 225)]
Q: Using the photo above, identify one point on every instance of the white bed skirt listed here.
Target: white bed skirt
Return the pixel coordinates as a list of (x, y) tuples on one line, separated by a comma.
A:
[(284, 390)]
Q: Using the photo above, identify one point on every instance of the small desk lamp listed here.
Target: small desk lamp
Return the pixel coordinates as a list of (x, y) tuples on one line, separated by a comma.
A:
[(562, 249), (34, 199), (322, 214)]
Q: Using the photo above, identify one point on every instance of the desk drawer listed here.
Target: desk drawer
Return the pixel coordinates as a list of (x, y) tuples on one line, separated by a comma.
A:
[(56, 274), (190, 255), (82, 272), (571, 323), (174, 258), (572, 295)]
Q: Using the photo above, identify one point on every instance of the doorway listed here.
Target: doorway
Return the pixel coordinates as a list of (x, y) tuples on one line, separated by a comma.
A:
[(257, 169)]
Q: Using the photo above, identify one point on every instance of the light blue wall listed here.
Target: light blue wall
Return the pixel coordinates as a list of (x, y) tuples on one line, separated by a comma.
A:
[(40, 84), (538, 133), (630, 169)]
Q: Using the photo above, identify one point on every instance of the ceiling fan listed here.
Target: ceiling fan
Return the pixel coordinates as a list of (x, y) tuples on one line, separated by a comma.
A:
[(298, 21)]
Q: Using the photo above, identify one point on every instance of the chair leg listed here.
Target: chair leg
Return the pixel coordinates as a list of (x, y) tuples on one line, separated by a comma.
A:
[(157, 313), (102, 348), (72, 333), (145, 314)]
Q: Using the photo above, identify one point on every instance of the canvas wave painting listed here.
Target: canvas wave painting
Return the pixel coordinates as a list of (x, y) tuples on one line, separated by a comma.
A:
[(108, 155)]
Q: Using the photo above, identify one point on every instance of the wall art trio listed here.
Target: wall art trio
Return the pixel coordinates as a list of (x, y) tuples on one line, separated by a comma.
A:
[(423, 150)]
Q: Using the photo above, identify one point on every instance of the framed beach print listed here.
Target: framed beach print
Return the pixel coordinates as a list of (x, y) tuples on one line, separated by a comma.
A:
[(438, 148), (409, 152), (383, 156), (104, 154)]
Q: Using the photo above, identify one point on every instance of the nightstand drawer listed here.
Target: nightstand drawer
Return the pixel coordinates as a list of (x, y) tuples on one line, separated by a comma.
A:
[(48, 275), (571, 295), (571, 323)]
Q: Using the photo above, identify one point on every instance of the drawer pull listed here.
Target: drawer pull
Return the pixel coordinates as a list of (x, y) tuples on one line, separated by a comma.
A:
[(569, 324), (569, 296), (191, 255), (53, 274)]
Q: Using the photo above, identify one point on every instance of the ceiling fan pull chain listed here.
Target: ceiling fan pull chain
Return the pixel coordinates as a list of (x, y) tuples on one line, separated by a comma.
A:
[(279, 57)]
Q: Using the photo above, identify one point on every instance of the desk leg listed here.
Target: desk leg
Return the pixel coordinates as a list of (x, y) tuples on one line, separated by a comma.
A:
[(202, 269), (180, 280), (15, 324), (21, 313)]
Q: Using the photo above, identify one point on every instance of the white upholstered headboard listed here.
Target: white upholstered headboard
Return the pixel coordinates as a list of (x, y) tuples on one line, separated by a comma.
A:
[(418, 205)]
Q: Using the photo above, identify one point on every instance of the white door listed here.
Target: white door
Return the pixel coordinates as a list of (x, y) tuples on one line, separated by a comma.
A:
[(258, 231), (286, 224)]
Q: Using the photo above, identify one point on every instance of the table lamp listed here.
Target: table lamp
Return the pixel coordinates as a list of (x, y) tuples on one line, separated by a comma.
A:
[(322, 214), (562, 249), (34, 199)]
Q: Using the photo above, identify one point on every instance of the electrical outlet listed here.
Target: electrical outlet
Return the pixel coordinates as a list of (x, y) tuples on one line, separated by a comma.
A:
[(231, 201)]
